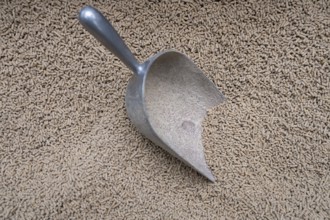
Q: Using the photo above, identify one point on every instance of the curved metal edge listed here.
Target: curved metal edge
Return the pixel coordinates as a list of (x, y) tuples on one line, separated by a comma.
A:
[(143, 124)]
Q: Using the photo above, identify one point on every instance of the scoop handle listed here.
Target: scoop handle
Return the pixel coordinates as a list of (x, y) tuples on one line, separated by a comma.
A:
[(97, 25)]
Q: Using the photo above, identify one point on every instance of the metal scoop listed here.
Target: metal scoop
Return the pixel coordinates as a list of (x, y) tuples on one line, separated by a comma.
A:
[(167, 97)]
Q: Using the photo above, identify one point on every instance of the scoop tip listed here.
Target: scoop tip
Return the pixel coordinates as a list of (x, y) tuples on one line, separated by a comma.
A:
[(210, 177), (206, 172)]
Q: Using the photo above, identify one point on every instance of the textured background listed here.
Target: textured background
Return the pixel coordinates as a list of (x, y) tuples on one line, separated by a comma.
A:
[(67, 148)]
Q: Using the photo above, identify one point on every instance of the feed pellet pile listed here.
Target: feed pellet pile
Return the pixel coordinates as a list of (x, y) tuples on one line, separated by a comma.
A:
[(69, 151)]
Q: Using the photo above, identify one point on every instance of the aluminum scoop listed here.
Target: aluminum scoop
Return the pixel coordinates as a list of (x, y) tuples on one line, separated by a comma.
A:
[(167, 97)]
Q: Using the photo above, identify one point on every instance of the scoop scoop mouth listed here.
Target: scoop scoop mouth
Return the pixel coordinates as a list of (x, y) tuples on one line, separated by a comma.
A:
[(176, 97)]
